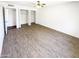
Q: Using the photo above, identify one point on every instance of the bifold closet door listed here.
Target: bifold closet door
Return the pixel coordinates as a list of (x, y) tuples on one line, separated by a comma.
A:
[(23, 16)]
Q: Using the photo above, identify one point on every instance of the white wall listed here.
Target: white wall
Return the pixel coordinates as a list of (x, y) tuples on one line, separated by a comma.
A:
[(11, 17), (1, 30), (62, 17)]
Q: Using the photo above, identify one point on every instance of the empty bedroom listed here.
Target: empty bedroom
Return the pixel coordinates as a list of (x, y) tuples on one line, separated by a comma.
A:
[(39, 29)]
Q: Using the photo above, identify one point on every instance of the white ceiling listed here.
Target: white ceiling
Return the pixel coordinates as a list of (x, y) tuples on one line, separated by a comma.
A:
[(31, 2), (27, 2)]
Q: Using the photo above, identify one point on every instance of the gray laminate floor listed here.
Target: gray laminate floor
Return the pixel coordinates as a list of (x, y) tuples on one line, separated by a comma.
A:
[(38, 41)]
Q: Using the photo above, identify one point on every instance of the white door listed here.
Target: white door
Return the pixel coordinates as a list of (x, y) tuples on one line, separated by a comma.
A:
[(1, 29)]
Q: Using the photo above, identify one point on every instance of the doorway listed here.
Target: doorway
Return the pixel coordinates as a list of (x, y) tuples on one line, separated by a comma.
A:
[(33, 16), (14, 18), (23, 17), (11, 21)]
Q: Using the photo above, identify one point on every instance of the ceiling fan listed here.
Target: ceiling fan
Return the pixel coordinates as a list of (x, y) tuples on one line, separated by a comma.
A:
[(39, 4)]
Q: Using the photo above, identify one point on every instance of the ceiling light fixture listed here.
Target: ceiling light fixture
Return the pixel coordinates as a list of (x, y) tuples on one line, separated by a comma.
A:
[(39, 4)]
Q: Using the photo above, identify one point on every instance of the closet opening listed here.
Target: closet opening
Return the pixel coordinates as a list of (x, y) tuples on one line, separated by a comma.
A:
[(23, 17), (11, 22), (33, 16), (27, 17), (15, 18)]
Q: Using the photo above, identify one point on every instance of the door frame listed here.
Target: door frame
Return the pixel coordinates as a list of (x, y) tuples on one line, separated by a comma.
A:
[(4, 22)]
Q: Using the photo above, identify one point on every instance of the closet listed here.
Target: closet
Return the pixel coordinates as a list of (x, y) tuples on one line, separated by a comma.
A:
[(23, 16), (12, 18), (33, 16), (27, 16), (11, 21), (15, 17)]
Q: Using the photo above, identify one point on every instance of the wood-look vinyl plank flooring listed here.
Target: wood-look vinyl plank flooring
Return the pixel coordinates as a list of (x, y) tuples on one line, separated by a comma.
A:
[(37, 41)]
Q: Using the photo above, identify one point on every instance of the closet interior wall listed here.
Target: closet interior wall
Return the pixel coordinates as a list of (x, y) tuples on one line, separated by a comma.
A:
[(11, 18)]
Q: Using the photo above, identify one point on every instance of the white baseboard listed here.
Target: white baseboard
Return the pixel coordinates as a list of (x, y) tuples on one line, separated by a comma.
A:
[(59, 30)]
